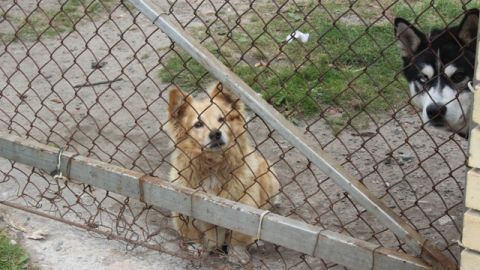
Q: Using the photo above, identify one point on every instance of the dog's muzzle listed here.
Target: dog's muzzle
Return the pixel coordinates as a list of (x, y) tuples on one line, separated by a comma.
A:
[(436, 114), (216, 140)]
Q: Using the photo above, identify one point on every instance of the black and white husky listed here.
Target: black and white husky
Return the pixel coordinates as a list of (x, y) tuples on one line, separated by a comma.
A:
[(438, 67)]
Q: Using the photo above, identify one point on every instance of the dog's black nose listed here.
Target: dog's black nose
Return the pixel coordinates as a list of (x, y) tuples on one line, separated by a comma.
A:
[(436, 111), (215, 135)]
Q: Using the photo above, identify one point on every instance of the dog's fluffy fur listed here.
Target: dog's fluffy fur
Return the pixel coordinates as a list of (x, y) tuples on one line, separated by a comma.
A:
[(438, 67), (213, 153)]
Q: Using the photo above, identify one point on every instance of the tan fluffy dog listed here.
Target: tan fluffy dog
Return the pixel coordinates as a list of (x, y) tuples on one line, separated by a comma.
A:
[(214, 154)]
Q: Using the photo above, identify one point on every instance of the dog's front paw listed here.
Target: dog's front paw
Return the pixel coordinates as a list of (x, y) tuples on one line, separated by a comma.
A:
[(238, 255), (276, 202), (196, 249)]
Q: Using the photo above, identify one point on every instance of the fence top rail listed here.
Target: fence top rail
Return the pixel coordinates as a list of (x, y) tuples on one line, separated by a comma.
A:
[(283, 231), (293, 135)]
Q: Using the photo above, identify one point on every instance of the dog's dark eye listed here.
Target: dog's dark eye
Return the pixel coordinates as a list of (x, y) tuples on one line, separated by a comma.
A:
[(422, 79), (221, 119), (198, 124), (458, 77)]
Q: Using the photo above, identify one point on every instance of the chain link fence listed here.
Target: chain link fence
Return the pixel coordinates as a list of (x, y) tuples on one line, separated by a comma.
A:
[(94, 77)]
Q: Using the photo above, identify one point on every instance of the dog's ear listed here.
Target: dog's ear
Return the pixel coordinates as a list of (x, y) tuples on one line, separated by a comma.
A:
[(178, 102), (218, 92), (467, 29), (409, 39)]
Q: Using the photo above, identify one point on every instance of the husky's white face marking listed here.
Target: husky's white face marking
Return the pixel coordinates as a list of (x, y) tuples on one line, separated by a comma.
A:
[(438, 66), (428, 71), (450, 70), (416, 98), (454, 103), (439, 94)]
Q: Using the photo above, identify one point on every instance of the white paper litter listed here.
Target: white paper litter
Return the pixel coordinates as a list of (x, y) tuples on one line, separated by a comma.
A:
[(36, 235), (303, 37), (30, 233)]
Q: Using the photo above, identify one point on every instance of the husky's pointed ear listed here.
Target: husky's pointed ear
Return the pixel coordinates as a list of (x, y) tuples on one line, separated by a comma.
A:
[(218, 92), (408, 37), (178, 102), (467, 30)]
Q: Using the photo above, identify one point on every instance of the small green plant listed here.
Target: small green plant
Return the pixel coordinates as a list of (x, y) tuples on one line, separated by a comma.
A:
[(430, 14), (12, 256)]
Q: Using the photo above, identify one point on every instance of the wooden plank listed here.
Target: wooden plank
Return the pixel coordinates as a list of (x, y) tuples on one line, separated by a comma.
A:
[(295, 136), (476, 84), (474, 148), (470, 260), (380, 259), (471, 229), (276, 229), (472, 191), (476, 106)]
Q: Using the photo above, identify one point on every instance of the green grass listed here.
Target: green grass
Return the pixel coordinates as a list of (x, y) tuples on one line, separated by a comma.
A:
[(12, 257), (429, 17), (52, 22)]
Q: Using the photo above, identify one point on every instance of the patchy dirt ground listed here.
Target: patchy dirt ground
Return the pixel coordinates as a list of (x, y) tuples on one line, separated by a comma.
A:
[(418, 171), (66, 247)]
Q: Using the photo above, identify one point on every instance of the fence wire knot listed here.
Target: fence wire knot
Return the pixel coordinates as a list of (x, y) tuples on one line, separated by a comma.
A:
[(260, 223), (57, 173), (459, 243), (470, 86)]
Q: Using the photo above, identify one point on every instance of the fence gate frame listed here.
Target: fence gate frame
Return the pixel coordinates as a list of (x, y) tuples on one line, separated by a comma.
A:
[(283, 231), (293, 135)]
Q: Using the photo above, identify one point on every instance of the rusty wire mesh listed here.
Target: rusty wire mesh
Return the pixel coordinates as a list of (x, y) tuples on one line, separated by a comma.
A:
[(94, 76)]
